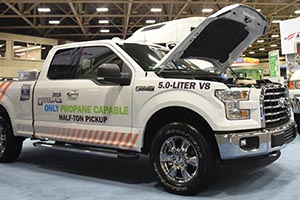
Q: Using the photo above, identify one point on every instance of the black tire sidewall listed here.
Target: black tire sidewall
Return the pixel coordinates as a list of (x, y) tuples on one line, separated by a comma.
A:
[(206, 164), (13, 144), (297, 120)]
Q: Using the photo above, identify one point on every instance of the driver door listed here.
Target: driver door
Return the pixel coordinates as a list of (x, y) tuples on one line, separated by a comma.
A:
[(71, 105)]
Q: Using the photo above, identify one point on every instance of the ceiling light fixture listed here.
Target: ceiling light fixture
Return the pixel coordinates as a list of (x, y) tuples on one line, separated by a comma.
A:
[(275, 36), (277, 21), (103, 21), (258, 10), (297, 11), (150, 21), (273, 45), (44, 10), (54, 22), (207, 10), (102, 9), (104, 30), (262, 49), (155, 9), (260, 41), (252, 52)]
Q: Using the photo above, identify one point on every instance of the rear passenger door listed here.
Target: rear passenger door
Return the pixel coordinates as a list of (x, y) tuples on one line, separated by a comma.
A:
[(71, 105)]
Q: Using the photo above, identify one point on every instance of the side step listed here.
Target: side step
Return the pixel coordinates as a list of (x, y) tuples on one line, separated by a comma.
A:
[(88, 150)]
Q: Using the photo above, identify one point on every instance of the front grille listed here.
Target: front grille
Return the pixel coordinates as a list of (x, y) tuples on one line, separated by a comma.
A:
[(276, 108)]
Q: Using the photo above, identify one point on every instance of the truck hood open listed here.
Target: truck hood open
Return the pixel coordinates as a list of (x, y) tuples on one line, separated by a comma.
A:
[(221, 38)]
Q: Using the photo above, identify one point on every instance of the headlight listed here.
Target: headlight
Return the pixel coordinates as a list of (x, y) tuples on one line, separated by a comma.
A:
[(231, 99), (294, 84)]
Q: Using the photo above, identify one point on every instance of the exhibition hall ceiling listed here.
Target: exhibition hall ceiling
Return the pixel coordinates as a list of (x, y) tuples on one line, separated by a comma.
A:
[(101, 19)]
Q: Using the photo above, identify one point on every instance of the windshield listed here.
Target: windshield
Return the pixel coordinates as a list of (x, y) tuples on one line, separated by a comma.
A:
[(190, 64), (147, 56)]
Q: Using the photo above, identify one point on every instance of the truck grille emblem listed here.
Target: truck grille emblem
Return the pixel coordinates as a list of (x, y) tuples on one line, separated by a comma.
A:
[(282, 102)]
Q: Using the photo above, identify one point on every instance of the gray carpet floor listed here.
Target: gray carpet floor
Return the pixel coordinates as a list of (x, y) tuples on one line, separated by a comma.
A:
[(56, 175)]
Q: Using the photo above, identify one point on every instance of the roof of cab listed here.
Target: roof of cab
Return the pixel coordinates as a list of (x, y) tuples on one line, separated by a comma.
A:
[(112, 41)]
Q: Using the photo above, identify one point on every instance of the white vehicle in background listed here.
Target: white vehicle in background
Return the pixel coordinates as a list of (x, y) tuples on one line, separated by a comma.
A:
[(166, 34), (294, 91)]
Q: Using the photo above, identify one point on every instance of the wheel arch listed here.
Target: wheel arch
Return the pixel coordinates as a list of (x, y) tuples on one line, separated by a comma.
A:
[(177, 114), (5, 114)]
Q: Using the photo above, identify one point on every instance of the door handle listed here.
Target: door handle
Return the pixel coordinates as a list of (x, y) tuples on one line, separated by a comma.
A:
[(72, 93)]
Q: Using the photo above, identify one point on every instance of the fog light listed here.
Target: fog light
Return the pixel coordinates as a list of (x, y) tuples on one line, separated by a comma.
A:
[(250, 143), (243, 142)]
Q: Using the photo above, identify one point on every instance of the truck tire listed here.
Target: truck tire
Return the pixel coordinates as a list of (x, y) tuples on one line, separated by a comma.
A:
[(297, 120), (10, 146), (182, 159)]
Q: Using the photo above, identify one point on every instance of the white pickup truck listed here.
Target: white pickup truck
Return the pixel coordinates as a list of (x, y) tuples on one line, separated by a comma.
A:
[(113, 97)]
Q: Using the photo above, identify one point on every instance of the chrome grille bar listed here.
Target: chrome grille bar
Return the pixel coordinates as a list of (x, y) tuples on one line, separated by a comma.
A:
[(275, 105)]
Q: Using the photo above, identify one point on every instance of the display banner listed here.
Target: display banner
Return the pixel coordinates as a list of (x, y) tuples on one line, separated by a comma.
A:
[(246, 61), (274, 64), (289, 34)]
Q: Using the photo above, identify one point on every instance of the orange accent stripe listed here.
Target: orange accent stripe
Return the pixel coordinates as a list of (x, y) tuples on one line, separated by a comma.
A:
[(127, 140), (56, 134), (101, 138), (5, 89), (73, 135), (134, 140), (89, 138), (52, 130), (95, 137), (120, 139), (107, 138), (1, 85), (60, 132), (77, 138), (114, 138), (68, 133), (63, 133), (83, 136)]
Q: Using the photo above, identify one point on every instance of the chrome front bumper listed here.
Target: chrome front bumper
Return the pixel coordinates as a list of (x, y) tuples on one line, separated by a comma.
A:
[(263, 141)]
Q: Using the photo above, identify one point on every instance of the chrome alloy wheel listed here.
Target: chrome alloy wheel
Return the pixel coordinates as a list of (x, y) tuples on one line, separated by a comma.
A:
[(2, 141), (179, 159)]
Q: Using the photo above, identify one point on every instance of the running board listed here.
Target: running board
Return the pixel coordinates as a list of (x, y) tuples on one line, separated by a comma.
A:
[(88, 150)]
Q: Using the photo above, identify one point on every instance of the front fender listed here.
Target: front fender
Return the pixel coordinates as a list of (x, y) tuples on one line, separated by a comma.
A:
[(204, 103), (206, 106)]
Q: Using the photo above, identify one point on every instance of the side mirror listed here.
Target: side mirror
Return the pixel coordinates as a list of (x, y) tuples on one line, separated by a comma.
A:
[(111, 73)]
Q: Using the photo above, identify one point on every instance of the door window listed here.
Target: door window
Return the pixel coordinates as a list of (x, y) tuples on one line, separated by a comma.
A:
[(92, 57), (62, 64), (82, 63)]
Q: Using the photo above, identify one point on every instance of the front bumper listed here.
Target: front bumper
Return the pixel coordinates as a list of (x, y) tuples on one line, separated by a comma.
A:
[(262, 142)]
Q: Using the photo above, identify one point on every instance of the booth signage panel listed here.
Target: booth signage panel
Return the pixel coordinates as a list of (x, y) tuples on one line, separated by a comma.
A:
[(274, 63), (289, 34)]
